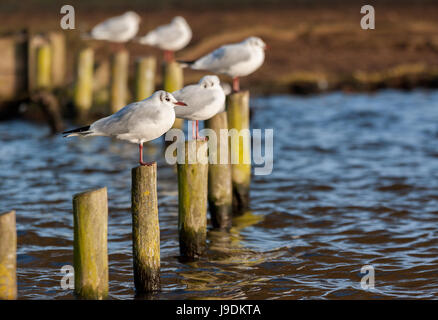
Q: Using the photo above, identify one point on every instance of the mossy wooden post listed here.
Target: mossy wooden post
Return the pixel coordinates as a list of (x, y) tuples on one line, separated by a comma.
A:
[(238, 118), (173, 80), (220, 190), (192, 199), (57, 43), (145, 229), (119, 80), (8, 256), (90, 212), (145, 77), (83, 94), (44, 67)]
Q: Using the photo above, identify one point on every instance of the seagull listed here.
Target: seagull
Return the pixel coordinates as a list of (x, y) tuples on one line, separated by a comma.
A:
[(137, 122), (170, 37), (234, 60), (118, 29), (204, 100)]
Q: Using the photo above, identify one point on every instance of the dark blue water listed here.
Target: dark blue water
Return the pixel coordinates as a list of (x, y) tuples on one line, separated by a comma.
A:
[(355, 182)]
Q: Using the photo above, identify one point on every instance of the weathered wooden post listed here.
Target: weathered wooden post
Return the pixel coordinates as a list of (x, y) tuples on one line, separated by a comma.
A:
[(57, 43), (238, 119), (13, 67), (173, 80), (44, 67), (8, 256), (83, 94), (192, 198), (119, 80), (220, 190), (90, 212), (145, 229), (145, 77)]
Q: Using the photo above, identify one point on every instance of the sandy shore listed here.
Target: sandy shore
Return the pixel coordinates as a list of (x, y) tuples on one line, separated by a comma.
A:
[(313, 48)]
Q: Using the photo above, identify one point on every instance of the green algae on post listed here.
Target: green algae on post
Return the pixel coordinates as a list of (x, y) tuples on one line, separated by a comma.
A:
[(238, 119), (8, 256), (192, 199), (145, 229), (220, 192), (90, 212)]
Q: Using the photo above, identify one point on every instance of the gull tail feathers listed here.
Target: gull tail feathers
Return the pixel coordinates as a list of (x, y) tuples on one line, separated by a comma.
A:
[(82, 131), (185, 64), (150, 39), (86, 36)]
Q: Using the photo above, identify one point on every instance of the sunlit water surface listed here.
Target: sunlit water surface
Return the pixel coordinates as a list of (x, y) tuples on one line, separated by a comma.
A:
[(355, 182)]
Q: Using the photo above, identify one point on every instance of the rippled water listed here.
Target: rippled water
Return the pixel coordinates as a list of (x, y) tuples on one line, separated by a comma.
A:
[(355, 183)]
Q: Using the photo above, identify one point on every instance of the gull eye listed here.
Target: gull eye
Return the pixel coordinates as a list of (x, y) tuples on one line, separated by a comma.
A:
[(167, 99), (205, 86)]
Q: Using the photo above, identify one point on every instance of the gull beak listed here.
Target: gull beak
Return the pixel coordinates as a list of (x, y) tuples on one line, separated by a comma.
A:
[(180, 103)]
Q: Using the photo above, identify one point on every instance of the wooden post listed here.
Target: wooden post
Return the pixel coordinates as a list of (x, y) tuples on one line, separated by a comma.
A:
[(57, 43), (192, 199), (220, 190), (145, 77), (238, 118), (13, 67), (145, 229), (90, 212), (44, 67), (119, 80), (83, 94), (8, 256), (173, 80)]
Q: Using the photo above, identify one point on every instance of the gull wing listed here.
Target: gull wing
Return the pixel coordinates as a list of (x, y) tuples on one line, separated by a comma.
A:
[(110, 27), (168, 33), (223, 58), (194, 96), (127, 119)]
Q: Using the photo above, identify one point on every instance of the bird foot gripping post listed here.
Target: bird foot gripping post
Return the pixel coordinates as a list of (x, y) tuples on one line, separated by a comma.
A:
[(145, 229), (192, 199), (238, 119)]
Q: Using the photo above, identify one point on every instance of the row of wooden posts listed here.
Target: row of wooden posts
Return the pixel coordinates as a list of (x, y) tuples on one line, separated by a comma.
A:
[(224, 187)]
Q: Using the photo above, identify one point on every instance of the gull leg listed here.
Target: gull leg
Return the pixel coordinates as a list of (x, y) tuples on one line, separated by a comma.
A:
[(198, 137), (140, 147), (193, 130), (236, 84), (168, 56)]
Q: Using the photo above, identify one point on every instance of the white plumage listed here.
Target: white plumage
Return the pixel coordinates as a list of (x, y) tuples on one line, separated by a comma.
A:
[(137, 122), (204, 99), (170, 37), (117, 29), (235, 60)]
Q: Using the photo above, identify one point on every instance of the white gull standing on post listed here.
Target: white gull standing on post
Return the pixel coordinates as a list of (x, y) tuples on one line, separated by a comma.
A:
[(170, 37), (137, 122), (204, 100), (234, 60), (117, 29)]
